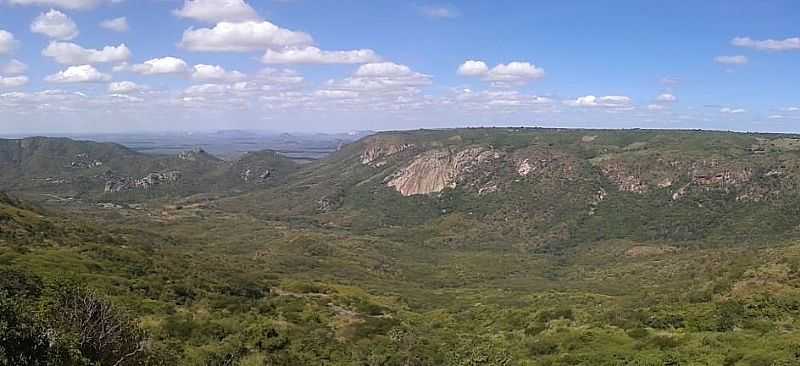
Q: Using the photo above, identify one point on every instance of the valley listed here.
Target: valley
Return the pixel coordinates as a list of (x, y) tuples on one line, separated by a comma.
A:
[(482, 246)]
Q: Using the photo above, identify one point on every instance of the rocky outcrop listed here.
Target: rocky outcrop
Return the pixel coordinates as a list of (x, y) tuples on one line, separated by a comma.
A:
[(83, 161), (197, 154), (147, 182), (617, 172), (378, 149), (436, 170), (248, 175)]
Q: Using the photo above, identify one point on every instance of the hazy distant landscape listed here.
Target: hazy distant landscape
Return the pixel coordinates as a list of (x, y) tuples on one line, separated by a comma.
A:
[(228, 144)]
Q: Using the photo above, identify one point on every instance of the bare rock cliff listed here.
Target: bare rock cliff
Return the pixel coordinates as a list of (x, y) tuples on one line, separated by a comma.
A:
[(435, 170)]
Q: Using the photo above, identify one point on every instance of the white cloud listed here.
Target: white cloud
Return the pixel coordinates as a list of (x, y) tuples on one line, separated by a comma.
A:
[(383, 69), (666, 98), (776, 116), (732, 110), (72, 54), (788, 44), (242, 37), (656, 107), (440, 12), (513, 72), (117, 24), (215, 11), (498, 99), (13, 81), (731, 60), (473, 68), (160, 66), (125, 87), (274, 77), (791, 109), (56, 25), (612, 101), (79, 74), (336, 94), (214, 73), (13, 68), (64, 4), (379, 82), (7, 42), (313, 55)]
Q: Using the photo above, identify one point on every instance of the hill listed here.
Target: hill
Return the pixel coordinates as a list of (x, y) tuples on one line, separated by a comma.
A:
[(455, 247), (539, 186), (61, 169)]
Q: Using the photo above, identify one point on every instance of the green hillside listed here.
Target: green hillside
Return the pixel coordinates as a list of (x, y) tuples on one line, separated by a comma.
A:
[(64, 170), (435, 247)]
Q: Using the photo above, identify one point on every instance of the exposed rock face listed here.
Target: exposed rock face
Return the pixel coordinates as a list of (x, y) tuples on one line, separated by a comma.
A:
[(378, 149), (247, 175), (83, 161), (195, 155), (685, 177), (149, 181), (618, 174), (327, 204), (524, 167), (435, 170), (599, 197)]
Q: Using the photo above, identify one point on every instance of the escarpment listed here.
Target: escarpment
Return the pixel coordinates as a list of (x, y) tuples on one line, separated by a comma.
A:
[(424, 167), (435, 170)]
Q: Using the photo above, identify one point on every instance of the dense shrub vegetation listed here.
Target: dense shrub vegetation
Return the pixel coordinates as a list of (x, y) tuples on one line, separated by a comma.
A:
[(334, 268)]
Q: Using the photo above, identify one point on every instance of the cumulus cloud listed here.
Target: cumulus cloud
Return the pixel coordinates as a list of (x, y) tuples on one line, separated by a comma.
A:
[(666, 98), (160, 66), (313, 55), (117, 24), (215, 11), (12, 81), (67, 53), (125, 87), (79, 74), (56, 25), (383, 69), (439, 12), (215, 73), (13, 68), (242, 37), (498, 99), (513, 72), (64, 4), (377, 83), (611, 101), (7, 42), (788, 44), (731, 60), (473, 68)]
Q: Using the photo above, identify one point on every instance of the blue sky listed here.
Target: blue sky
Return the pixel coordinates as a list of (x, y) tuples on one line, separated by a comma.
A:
[(339, 65)]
